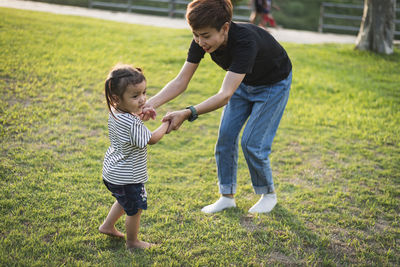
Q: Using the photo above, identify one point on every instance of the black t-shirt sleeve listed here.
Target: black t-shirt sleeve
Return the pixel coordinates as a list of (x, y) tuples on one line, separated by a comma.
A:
[(243, 57), (195, 53)]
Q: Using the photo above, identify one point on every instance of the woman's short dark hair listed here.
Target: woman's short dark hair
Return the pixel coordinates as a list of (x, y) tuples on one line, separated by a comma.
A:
[(209, 13)]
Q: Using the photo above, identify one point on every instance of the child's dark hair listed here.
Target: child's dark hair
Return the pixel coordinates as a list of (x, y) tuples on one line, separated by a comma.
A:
[(209, 13), (118, 80)]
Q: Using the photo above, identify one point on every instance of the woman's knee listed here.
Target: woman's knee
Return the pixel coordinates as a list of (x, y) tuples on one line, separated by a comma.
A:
[(224, 145), (254, 147), (247, 147)]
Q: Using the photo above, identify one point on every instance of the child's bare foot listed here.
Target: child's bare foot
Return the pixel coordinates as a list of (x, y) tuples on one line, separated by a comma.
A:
[(110, 232), (138, 244)]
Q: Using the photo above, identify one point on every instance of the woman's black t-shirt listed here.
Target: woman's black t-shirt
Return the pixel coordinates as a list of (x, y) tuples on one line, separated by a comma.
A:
[(251, 50)]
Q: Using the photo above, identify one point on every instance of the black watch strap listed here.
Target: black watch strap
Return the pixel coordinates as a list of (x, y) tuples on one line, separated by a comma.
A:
[(194, 114)]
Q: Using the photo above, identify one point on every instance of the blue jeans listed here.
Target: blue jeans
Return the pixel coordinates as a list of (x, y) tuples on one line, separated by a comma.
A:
[(263, 106)]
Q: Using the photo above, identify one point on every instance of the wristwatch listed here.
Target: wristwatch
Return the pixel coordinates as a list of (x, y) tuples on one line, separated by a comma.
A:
[(194, 114)]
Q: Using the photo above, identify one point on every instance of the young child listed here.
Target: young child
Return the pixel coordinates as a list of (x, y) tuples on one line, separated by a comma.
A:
[(125, 162)]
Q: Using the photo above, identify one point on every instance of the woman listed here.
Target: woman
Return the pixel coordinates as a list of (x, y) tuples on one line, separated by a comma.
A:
[(255, 89)]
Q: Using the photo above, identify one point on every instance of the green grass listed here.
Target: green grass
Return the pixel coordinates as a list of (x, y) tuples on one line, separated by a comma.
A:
[(336, 156)]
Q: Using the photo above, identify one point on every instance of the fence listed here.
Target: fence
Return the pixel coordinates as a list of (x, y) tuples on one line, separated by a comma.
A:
[(349, 22), (171, 8)]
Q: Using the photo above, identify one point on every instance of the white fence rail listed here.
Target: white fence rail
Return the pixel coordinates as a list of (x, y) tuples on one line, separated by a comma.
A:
[(325, 14)]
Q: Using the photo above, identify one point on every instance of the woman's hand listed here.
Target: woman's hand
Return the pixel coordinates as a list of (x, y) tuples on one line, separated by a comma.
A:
[(176, 119), (147, 113)]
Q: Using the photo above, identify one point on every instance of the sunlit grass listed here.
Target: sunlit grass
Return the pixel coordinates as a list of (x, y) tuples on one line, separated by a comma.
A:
[(336, 157)]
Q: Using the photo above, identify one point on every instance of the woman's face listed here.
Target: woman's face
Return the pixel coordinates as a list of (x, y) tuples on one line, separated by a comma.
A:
[(210, 39)]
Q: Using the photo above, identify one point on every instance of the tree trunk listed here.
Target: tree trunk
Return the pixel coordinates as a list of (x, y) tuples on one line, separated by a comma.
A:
[(377, 26)]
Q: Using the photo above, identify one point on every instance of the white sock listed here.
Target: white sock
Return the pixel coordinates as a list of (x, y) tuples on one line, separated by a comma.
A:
[(266, 203), (221, 204)]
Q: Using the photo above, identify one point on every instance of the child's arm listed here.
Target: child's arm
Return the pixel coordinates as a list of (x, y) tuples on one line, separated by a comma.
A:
[(159, 133)]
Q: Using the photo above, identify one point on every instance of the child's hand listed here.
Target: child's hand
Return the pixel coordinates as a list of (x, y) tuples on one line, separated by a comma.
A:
[(176, 118), (166, 125), (148, 113), (166, 122)]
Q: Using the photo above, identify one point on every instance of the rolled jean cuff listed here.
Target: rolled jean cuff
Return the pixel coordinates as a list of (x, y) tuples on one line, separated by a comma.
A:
[(226, 189), (259, 190)]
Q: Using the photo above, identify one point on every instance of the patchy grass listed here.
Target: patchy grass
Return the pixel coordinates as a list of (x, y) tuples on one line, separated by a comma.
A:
[(336, 157)]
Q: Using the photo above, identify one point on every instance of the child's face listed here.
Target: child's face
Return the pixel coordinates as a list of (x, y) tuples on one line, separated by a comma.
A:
[(210, 39), (133, 98)]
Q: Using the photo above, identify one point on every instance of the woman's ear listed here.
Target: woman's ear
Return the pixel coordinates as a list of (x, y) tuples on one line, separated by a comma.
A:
[(225, 27)]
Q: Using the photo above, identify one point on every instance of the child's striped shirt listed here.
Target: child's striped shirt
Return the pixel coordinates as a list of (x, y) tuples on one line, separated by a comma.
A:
[(125, 161)]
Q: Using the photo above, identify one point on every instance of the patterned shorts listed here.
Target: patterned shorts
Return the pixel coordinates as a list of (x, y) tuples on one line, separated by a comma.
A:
[(131, 197)]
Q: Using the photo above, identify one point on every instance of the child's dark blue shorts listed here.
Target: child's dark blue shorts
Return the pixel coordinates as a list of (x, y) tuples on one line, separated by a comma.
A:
[(131, 197)]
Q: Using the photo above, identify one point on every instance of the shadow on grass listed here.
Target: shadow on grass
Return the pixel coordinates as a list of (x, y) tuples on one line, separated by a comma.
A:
[(288, 239), (112, 243)]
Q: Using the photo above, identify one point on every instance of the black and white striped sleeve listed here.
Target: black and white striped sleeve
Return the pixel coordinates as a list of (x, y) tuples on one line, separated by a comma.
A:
[(140, 134)]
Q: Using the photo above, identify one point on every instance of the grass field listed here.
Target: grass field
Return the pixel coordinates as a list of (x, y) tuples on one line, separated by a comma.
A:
[(336, 157)]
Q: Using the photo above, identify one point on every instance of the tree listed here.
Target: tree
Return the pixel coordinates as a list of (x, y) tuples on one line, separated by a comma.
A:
[(377, 26)]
